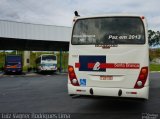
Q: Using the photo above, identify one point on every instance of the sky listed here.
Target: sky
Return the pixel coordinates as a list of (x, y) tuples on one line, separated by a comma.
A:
[(61, 12)]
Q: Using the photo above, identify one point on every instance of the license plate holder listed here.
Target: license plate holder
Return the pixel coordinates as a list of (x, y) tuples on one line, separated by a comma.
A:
[(106, 77)]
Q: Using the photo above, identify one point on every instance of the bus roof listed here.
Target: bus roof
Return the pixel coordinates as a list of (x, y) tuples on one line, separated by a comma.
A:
[(110, 15), (47, 55)]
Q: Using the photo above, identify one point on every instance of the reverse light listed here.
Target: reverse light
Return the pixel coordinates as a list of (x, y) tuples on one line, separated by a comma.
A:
[(74, 81), (141, 78), (72, 76), (139, 83)]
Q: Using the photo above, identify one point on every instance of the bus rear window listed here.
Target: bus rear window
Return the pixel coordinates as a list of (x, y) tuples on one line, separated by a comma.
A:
[(48, 57), (108, 30)]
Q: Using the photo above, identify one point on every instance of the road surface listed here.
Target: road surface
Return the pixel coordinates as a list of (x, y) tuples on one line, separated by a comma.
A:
[(48, 94)]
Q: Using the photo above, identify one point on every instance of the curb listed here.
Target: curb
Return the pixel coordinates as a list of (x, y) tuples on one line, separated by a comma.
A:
[(1, 73), (32, 74)]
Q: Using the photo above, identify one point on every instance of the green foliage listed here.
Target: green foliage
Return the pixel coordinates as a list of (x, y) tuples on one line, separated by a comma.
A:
[(154, 53), (25, 68), (154, 38), (2, 59), (64, 60), (154, 67)]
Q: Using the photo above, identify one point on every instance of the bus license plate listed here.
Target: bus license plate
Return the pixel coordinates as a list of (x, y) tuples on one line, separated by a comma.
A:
[(106, 77)]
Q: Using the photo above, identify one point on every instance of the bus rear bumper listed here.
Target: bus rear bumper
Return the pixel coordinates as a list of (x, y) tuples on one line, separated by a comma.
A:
[(113, 92), (13, 70)]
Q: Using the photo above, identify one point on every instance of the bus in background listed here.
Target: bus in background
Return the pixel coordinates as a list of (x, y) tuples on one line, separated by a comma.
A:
[(46, 63), (108, 56), (13, 64)]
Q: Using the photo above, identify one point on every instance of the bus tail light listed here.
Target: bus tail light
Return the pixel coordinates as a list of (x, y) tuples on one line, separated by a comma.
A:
[(72, 76), (142, 78)]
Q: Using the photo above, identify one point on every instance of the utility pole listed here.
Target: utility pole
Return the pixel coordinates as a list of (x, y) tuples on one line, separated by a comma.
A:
[(60, 61)]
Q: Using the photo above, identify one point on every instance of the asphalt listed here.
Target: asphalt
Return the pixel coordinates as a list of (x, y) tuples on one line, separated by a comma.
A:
[(48, 94)]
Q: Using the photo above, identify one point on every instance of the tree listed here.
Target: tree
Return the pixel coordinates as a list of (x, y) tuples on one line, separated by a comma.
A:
[(154, 38)]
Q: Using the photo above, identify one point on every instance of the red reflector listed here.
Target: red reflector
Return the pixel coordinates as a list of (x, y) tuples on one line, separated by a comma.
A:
[(78, 90), (133, 92), (77, 65)]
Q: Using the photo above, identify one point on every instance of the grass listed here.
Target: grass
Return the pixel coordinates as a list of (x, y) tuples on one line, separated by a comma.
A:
[(154, 67)]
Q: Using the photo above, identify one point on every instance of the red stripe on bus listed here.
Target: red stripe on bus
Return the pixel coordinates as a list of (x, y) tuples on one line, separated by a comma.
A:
[(116, 65)]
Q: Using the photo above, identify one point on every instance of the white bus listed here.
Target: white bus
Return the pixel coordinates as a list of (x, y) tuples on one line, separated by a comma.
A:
[(46, 62), (108, 56)]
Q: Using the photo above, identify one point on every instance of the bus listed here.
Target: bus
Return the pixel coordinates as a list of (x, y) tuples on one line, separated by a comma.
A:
[(13, 64), (46, 63), (108, 56)]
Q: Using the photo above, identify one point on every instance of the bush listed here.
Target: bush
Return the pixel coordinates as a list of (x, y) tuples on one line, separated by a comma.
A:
[(154, 67)]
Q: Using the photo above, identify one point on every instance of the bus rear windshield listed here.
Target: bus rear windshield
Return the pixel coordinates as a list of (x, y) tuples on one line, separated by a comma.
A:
[(48, 57), (108, 30)]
